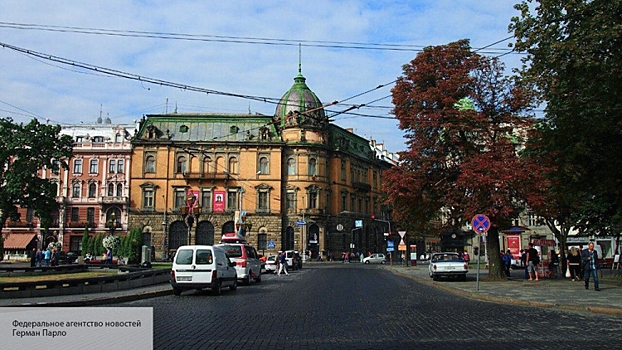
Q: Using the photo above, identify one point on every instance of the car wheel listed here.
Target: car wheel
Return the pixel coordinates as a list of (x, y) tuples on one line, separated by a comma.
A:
[(258, 279), (218, 288), (366, 261), (434, 278), (247, 280), (234, 286), (383, 262), (462, 278), (177, 291)]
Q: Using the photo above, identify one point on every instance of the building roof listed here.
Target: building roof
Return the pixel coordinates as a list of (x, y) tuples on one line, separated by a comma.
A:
[(208, 127), (299, 99), (18, 240)]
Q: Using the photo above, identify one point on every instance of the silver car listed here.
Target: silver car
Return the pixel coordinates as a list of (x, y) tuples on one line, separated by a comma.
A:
[(377, 258)]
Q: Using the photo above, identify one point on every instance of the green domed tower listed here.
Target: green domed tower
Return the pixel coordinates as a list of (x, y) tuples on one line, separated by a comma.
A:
[(300, 114)]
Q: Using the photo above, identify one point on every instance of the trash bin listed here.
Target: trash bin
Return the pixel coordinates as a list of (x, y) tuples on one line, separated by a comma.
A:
[(146, 255)]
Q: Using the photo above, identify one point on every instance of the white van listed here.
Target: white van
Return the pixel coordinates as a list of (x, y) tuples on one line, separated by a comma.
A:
[(202, 266)]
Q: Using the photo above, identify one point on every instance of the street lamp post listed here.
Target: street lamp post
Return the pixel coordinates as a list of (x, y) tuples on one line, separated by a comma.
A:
[(192, 211), (113, 223)]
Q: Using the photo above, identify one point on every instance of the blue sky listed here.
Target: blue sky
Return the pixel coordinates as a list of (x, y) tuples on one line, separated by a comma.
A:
[(334, 70)]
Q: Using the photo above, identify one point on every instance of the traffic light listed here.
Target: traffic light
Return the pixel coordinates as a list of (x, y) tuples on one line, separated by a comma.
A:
[(475, 250)]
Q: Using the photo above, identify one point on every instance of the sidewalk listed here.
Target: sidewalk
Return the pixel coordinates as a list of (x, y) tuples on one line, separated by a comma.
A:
[(560, 293)]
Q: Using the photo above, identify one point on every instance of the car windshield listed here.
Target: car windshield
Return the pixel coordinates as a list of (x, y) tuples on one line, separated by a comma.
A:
[(234, 251), (272, 258), (184, 257), (446, 257)]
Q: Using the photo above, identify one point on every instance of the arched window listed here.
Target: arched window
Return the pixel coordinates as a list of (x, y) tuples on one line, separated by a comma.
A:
[(233, 165), (208, 165), (291, 166), (92, 190), (75, 190), (119, 190), (181, 164), (312, 166), (150, 164), (263, 165), (110, 190)]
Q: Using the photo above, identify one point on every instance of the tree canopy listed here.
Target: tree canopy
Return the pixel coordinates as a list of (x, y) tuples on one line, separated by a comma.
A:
[(574, 61), (26, 149), (463, 127)]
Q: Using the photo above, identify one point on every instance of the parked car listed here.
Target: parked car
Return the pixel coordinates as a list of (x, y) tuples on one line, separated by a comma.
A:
[(67, 257), (271, 264), (448, 264), (244, 255), (202, 266), (376, 258), (294, 260)]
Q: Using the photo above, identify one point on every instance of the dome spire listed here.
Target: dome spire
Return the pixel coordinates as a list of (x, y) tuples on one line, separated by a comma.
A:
[(300, 58)]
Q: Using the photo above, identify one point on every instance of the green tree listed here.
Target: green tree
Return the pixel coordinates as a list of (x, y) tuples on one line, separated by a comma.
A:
[(462, 156), (574, 60), (25, 149), (85, 242)]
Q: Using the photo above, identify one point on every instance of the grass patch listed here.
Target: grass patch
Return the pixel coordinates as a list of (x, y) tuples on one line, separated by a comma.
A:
[(54, 277)]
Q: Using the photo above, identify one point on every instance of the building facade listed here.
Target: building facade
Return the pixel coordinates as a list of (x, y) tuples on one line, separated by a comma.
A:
[(92, 192), (288, 181)]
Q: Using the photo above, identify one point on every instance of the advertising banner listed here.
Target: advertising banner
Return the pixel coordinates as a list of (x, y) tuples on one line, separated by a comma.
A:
[(219, 201), (514, 245)]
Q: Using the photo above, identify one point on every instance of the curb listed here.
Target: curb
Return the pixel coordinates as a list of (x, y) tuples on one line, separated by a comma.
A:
[(98, 301), (505, 301)]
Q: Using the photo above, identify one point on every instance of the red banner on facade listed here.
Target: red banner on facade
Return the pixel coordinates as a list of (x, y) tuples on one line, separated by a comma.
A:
[(219, 201)]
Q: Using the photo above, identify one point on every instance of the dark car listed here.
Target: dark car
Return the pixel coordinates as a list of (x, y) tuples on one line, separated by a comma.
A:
[(67, 257), (297, 261)]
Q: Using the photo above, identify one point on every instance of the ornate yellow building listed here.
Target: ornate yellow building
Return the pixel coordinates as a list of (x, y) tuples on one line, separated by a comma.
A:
[(288, 181)]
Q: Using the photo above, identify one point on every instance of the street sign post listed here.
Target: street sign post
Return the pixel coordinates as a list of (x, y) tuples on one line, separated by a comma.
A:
[(481, 225)]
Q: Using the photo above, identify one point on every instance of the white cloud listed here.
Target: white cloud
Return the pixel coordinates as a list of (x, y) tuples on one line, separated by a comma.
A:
[(264, 70)]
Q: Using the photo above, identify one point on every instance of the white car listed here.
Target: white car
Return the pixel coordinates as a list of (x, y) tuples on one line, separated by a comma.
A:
[(202, 266), (377, 258), (448, 264), (271, 264)]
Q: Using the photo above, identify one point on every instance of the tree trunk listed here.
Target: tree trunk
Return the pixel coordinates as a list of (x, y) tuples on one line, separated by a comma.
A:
[(496, 270)]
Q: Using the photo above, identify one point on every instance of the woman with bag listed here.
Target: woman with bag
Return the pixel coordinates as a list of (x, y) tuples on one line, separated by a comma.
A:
[(574, 263)]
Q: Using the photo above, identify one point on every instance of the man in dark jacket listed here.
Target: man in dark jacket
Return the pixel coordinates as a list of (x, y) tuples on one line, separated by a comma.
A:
[(589, 257)]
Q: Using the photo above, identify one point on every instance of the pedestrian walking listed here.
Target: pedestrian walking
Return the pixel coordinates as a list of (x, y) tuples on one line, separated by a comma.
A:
[(282, 265), (108, 256), (46, 257), (39, 258), (507, 262), (574, 264), (523, 262), (33, 257), (590, 266), (533, 260)]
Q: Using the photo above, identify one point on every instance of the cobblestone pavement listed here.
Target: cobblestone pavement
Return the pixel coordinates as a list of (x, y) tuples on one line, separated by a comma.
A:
[(354, 306)]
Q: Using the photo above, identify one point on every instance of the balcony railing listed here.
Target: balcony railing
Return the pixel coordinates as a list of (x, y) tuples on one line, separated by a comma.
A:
[(361, 186), (205, 176)]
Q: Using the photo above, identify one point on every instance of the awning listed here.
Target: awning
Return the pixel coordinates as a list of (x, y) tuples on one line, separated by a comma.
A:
[(18, 240)]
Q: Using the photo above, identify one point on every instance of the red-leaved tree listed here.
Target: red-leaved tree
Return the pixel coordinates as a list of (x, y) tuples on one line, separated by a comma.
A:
[(464, 131)]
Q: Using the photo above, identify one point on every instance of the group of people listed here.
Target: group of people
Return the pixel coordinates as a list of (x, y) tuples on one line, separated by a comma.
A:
[(48, 257), (582, 263)]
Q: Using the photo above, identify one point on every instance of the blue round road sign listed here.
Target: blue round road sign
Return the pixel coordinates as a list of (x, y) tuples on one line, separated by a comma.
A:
[(481, 223)]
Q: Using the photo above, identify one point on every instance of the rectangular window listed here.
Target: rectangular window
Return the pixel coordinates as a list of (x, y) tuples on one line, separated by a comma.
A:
[(343, 170), (75, 243), (30, 215), (262, 241), (206, 200), (93, 166), (90, 216), (111, 166), (180, 198), (77, 166), (55, 167), (75, 214), (120, 167), (344, 203), (232, 200), (313, 200), (263, 200), (291, 200), (148, 199), (352, 203)]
